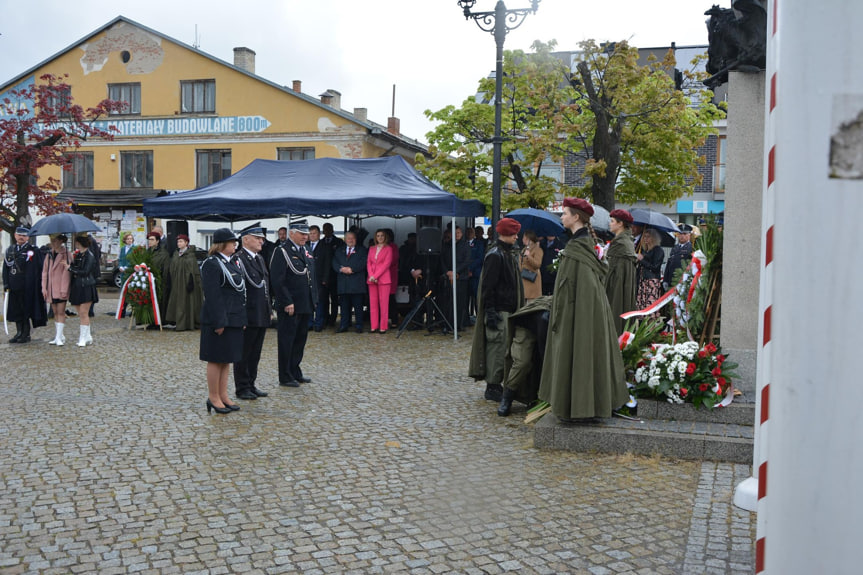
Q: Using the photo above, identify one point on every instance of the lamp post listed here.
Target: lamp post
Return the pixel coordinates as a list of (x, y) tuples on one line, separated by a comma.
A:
[(498, 23)]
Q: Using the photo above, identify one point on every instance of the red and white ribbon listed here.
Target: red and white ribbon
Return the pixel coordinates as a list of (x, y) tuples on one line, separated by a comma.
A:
[(151, 287)]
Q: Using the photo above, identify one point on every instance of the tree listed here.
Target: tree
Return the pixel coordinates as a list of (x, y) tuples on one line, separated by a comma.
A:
[(636, 135), (39, 125)]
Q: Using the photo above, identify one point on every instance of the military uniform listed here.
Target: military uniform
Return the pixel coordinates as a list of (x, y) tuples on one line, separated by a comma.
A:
[(258, 312), (22, 280), (292, 281)]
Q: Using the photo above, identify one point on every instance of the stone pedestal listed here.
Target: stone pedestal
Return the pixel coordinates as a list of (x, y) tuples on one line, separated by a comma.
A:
[(741, 265)]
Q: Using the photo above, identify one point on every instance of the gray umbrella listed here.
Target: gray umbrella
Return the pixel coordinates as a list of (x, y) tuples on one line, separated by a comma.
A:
[(599, 219), (63, 224)]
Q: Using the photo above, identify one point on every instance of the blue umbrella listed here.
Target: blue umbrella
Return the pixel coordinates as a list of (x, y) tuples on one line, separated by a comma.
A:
[(63, 224), (541, 222)]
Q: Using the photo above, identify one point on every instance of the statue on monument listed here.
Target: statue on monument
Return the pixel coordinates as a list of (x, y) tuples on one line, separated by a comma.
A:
[(737, 38)]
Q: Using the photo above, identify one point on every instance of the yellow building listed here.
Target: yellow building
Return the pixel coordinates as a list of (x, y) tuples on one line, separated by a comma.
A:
[(191, 119)]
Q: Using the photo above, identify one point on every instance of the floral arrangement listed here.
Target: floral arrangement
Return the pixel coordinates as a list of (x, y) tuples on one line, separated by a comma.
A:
[(139, 291), (685, 372)]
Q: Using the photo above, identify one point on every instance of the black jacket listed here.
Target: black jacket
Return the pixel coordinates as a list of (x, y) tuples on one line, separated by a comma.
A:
[(258, 306), (651, 264), (323, 257), (355, 282), (501, 280), (681, 255), (462, 258), (292, 279), (224, 305)]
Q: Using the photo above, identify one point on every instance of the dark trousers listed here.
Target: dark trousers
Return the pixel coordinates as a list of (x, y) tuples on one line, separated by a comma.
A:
[(461, 289), (351, 301), (321, 312), (292, 331), (331, 300), (246, 370)]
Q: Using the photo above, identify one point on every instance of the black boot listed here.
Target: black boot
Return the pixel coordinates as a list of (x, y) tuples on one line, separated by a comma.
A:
[(17, 337), (506, 402), (493, 391), (25, 333)]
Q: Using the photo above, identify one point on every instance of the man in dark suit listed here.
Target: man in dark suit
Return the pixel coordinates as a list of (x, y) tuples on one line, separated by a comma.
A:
[(322, 253), (349, 263), (331, 306), (292, 280), (457, 273), (258, 311)]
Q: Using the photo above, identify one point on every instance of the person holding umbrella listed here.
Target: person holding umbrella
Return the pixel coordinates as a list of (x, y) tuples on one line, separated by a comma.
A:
[(84, 270), (22, 279), (649, 267), (56, 281)]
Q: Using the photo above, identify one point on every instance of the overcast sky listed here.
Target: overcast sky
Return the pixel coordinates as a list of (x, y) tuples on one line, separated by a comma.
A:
[(358, 47)]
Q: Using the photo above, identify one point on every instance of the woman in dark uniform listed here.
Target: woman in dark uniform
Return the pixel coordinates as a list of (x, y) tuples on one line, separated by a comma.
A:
[(223, 318), (82, 292)]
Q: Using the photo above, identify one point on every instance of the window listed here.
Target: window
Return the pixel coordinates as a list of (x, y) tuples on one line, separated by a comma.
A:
[(136, 169), (198, 96), (59, 102), (213, 165), (130, 94), (296, 153), (719, 167), (80, 172)]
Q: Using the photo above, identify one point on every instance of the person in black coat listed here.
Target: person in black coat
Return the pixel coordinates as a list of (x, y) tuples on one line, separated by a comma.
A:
[(85, 273), (322, 253), (349, 263), (223, 317), (292, 281), (334, 242), (22, 280), (258, 311), (458, 273)]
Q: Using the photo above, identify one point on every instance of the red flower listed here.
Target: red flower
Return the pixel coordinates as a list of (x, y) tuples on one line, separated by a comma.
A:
[(720, 358), (702, 354), (703, 387), (710, 348), (641, 363), (690, 368), (721, 381), (683, 392), (717, 371)]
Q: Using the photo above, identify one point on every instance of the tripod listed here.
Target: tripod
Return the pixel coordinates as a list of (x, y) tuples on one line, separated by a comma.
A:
[(430, 306)]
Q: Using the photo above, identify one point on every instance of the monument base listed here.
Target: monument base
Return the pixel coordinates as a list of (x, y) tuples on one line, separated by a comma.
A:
[(746, 494)]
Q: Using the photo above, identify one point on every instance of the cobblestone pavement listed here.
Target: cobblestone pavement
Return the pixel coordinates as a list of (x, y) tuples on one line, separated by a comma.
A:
[(389, 461)]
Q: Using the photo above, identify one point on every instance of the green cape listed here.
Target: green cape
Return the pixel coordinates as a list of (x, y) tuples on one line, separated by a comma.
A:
[(582, 373), (620, 284)]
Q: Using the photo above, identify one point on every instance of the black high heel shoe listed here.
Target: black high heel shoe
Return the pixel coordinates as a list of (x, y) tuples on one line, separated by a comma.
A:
[(210, 406), (232, 406)]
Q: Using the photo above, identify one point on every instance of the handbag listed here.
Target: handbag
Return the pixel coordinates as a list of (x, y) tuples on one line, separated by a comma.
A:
[(528, 275)]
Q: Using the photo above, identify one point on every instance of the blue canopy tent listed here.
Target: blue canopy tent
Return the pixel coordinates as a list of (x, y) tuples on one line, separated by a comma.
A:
[(387, 186)]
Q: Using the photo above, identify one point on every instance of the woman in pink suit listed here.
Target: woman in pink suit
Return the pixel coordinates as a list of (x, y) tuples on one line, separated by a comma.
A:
[(380, 278)]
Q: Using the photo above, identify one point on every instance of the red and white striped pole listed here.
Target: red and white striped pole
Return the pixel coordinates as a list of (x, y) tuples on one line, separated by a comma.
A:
[(810, 357)]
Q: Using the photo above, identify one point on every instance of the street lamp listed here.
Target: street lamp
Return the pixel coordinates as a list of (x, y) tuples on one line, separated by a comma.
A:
[(498, 23)]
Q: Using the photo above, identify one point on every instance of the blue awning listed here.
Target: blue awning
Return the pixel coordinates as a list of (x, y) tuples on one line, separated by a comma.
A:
[(700, 207)]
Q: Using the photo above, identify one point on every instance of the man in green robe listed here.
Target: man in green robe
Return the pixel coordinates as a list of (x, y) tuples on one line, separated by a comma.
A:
[(582, 372), (621, 282), (499, 294)]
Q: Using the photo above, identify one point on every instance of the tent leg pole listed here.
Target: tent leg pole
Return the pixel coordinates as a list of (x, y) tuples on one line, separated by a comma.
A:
[(454, 288)]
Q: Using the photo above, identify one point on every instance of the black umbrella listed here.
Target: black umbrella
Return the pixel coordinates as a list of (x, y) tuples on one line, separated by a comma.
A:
[(63, 224)]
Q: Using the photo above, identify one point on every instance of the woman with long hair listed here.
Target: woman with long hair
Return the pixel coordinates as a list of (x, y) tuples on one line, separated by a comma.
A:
[(582, 372), (223, 318), (649, 270), (379, 270), (56, 281), (531, 263), (84, 270), (620, 284)]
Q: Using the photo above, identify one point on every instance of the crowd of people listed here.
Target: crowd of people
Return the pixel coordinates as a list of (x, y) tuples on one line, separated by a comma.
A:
[(546, 309)]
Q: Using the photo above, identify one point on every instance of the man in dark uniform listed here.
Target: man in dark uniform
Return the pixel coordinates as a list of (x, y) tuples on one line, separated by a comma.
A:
[(258, 311), (680, 256), (292, 280), (323, 256), (551, 247), (22, 281)]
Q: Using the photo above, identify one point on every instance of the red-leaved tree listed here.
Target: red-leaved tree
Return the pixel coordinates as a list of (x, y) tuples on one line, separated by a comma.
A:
[(41, 126)]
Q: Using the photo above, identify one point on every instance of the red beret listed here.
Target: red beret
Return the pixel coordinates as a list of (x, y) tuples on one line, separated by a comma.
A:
[(156, 235), (621, 216), (507, 227), (578, 204), (183, 237)]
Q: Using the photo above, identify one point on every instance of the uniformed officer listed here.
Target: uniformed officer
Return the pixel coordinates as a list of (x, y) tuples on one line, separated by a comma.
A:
[(258, 310), (22, 282), (681, 254), (292, 281)]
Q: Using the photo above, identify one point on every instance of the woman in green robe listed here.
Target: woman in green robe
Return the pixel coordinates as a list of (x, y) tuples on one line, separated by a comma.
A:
[(582, 372), (621, 283), (185, 299)]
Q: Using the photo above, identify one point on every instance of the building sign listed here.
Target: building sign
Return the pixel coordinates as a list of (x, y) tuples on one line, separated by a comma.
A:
[(186, 126), (9, 110)]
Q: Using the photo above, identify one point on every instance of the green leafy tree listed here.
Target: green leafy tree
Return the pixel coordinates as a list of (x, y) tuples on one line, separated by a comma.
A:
[(634, 132), (39, 126)]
